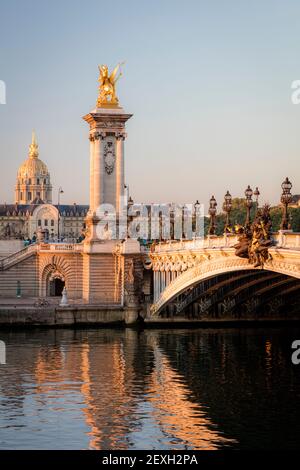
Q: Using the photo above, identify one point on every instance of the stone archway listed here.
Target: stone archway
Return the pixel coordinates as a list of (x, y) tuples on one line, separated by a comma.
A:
[(52, 270), (55, 284)]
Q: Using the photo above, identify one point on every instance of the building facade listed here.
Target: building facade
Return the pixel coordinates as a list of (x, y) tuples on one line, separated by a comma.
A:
[(33, 209)]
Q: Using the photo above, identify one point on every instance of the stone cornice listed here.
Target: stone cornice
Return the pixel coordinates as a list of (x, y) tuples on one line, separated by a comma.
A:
[(107, 120)]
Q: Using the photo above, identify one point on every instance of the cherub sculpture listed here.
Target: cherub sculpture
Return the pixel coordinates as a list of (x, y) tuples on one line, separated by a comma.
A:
[(107, 88)]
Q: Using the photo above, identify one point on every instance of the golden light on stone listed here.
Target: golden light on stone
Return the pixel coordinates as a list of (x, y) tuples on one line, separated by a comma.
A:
[(107, 89)]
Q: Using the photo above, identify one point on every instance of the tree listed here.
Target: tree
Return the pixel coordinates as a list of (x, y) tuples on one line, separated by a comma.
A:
[(238, 216)]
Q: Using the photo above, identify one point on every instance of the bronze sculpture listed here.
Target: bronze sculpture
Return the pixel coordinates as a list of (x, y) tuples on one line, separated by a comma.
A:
[(255, 239)]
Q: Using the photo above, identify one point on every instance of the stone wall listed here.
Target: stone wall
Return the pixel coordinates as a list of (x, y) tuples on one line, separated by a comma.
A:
[(102, 279), (72, 316), (26, 273)]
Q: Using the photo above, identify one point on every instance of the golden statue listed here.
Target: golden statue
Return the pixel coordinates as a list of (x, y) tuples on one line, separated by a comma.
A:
[(33, 147), (107, 89)]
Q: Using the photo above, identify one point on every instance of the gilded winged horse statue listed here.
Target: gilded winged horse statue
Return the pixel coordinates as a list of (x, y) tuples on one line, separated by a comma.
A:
[(107, 87)]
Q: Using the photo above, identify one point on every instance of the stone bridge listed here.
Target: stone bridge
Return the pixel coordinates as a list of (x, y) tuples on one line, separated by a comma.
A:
[(189, 280), (204, 278)]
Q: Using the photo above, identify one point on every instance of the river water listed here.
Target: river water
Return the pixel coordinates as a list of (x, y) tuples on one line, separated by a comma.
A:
[(150, 389)]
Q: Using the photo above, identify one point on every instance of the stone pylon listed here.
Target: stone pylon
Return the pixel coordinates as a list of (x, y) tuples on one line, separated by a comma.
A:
[(105, 258)]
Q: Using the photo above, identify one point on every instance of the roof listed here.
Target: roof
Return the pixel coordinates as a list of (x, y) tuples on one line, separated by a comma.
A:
[(71, 210), (33, 167), (37, 201)]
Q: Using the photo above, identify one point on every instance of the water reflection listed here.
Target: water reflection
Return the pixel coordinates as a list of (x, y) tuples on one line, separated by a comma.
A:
[(177, 414), (155, 389)]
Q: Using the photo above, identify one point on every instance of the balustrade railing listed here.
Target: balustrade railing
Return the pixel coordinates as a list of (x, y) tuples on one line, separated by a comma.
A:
[(61, 247), (35, 248), (282, 239)]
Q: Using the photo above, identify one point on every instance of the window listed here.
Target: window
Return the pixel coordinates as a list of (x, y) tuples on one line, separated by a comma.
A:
[(29, 196), (38, 181), (29, 181), (45, 181), (21, 196), (39, 223), (52, 223), (46, 222)]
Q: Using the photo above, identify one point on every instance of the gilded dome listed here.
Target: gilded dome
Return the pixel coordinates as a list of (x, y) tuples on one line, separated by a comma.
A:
[(33, 167)]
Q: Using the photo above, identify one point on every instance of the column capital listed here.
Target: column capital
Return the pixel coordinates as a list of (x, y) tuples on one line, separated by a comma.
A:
[(120, 135), (97, 136)]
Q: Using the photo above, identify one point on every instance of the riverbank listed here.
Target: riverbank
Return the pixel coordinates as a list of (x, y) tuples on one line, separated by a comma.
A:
[(99, 316), (55, 316)]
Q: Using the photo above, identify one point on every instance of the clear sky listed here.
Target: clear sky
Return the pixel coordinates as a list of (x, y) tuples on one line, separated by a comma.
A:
[(208, 82)]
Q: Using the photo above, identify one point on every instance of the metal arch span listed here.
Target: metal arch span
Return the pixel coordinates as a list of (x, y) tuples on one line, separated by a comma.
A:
[(215, 262)]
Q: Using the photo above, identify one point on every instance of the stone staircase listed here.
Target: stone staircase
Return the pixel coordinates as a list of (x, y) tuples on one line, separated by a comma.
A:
[(17, 257)]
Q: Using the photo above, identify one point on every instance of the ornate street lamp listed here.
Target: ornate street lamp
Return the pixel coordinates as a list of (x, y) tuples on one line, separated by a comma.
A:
[(212, 212), (130, 203), (256, 194), (227, 206), (286, 198), (197, 205), (60, 191), (249, 204), (196, 217)]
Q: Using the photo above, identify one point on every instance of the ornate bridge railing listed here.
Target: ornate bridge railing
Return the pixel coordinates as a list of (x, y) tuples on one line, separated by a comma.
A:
[(282, 239)]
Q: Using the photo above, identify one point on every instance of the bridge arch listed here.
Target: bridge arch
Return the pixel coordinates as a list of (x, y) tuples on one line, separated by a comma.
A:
[(286, 262)]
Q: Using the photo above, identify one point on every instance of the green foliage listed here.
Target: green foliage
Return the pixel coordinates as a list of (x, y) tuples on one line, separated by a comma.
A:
[(295, 219), (238, 216)]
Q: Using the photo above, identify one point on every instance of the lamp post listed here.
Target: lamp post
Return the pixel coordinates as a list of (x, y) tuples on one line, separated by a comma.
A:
[(60, 191), (197, 205), (249, 204), (227, 206), (256, 194), (130, 203), (286, 198), (196, 219), (212, 212)]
